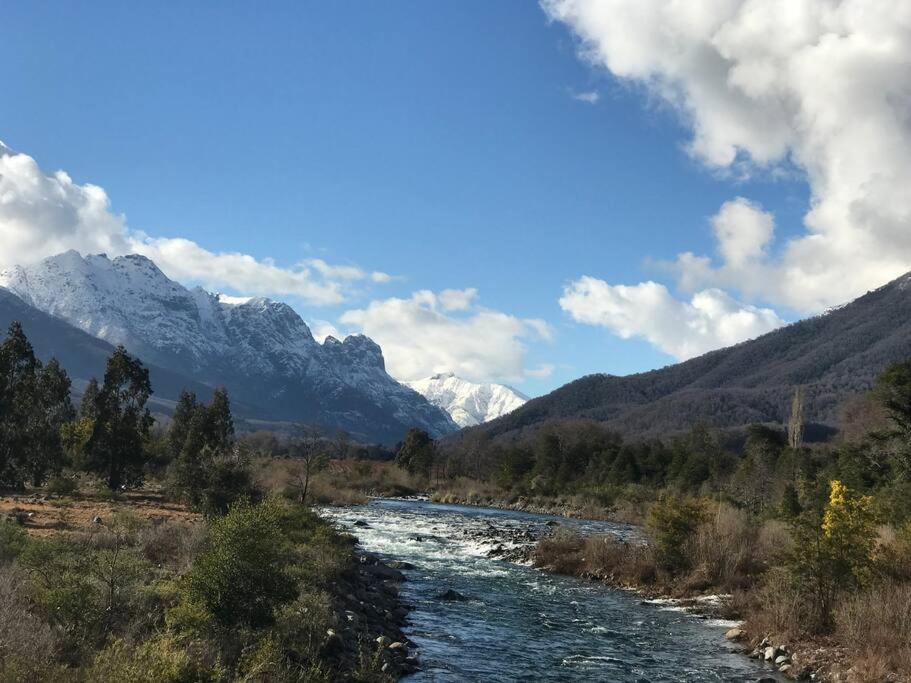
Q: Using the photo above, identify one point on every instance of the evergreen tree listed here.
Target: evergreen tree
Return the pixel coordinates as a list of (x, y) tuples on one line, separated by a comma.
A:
[(186, 409), (115, 449), (18, 366), (88, 407), (219, 423), (51, 410), (416, 452)]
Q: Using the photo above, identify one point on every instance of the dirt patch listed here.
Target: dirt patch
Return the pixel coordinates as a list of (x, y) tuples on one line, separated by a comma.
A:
[(43, 515)]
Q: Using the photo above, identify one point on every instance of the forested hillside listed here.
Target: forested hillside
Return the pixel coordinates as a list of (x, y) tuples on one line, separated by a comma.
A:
[(832, 356)]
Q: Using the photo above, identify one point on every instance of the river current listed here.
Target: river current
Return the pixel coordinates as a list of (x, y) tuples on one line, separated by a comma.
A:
[(522, 624)]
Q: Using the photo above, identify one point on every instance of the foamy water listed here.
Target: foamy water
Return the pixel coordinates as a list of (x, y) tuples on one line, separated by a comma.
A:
[(521, 624)]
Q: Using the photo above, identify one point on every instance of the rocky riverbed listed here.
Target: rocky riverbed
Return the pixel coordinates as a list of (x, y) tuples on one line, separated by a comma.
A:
[(370, 615), (481, 614)]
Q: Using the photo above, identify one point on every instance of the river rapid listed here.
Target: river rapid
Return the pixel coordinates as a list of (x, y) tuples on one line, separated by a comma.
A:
[(517, 623)]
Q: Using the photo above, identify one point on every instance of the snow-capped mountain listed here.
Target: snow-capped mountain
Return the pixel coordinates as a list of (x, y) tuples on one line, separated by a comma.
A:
[(260, 349), (466, 402)]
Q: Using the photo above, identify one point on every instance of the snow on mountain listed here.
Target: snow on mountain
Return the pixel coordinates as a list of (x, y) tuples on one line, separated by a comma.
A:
[(260, 349), (466, 402)]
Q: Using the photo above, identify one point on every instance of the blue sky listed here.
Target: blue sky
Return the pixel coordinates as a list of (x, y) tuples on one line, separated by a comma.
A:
[(442, 143)]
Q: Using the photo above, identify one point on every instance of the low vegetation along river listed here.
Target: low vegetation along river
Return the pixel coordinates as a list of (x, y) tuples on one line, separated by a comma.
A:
[(516, 623)]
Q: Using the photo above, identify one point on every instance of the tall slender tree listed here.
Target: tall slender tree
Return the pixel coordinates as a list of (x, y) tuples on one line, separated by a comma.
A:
[(219, 423)]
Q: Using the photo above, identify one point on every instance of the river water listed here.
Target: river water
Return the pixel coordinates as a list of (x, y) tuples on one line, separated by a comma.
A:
[(523, 624)]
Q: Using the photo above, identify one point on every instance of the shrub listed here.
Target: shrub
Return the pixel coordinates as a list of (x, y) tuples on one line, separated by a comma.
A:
[(879, 619), (162, 659), (61, 485), (26, 643), (228, 480), (12, 540), (724, 548), (242, 573), (893, 558), (673, 523), (171, 544)]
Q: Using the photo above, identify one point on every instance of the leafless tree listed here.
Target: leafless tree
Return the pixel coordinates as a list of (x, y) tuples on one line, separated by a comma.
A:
[(309, 458)]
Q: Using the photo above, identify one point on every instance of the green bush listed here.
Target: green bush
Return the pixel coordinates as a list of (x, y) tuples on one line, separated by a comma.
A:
[(673, 523), (61, 485), (163, 659), (243, 571), (13, 540)]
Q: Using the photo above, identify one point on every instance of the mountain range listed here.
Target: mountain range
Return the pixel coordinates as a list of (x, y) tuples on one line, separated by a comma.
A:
[(832, 356), (261, 350), (468, 403)]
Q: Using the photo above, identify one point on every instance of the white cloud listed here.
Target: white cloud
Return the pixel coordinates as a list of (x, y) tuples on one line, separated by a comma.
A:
[(589, 97), (743, 230), (682, 329), (448, 332), (44, 214), (823, 85), (322, 329)]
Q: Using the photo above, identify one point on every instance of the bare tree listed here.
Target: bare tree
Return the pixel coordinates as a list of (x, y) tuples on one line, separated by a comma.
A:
[(795, 421), (309, 458)]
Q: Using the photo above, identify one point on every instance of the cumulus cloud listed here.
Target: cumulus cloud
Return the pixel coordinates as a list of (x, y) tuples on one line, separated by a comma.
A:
[(682, 329), (42, 214), (448, 331), (820, 85)]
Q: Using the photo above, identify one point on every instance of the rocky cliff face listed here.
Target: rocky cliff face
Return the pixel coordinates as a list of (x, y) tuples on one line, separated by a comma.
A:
[(260, 349)]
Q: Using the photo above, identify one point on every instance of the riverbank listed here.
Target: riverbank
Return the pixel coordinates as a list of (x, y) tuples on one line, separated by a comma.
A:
[(476, 617), (741, 598), (111, 587)]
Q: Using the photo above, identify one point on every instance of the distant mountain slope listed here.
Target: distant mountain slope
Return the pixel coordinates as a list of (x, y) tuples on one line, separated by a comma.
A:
[(468, 403), (260, 349), (833, 355), (82, 355)]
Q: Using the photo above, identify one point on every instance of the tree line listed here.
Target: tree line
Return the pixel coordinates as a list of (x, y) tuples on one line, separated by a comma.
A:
[(110, 434)]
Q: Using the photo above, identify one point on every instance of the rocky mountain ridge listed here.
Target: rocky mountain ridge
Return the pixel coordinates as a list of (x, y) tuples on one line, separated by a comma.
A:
[(262, 350)]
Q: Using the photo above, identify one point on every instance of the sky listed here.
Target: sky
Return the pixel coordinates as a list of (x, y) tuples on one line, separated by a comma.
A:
[(514, 192)]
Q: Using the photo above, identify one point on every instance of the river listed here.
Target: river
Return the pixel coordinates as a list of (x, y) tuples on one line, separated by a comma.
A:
[(523, 624)]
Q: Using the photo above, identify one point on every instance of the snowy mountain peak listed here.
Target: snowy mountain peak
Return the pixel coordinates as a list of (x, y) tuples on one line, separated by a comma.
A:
[(468, 403), (261, 349)]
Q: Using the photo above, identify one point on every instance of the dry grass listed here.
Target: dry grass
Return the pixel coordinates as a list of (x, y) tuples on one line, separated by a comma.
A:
[(606, 558), (878, 620), (26, 643), (341, 482), (729, 549)]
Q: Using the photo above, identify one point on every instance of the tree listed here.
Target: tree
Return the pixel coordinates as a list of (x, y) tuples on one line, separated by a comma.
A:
[(115, 449), (18, 367), (51, 410), (835, 553), (219, 422), (88, 407), (416, 452), (673, 522), (310, 459), (893, 389), (205, 472), (184, 412), (795, 421)]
